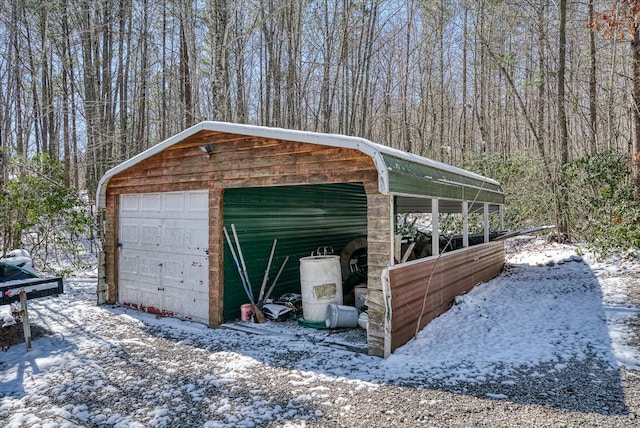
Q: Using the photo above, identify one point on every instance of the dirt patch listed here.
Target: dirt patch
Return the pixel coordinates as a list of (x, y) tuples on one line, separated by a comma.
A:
[(14, 335)]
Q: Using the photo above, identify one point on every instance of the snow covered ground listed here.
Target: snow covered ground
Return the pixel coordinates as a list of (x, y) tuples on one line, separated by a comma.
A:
[(551, 317)]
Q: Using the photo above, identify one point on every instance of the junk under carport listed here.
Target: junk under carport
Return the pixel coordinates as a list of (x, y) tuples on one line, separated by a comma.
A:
[(320, 302)]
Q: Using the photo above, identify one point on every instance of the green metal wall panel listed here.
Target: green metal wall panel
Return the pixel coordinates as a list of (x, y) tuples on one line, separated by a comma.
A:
[(302, 218), (417, 179)]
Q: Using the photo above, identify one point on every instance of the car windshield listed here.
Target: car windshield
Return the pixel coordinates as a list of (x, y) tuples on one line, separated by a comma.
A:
[(10, 272)]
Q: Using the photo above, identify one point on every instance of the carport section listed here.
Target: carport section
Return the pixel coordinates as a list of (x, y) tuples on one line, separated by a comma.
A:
[(238, 165), (418, 291)]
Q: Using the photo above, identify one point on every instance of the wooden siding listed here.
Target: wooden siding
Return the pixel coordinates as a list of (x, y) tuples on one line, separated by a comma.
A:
[(216, 262), (441, 279), (238, 161), (110, 248)]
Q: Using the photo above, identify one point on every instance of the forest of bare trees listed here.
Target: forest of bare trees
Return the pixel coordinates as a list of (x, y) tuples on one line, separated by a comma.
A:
[(514, 89)]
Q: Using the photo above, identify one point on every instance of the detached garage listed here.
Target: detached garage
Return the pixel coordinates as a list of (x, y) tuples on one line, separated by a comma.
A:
[(165, 209)]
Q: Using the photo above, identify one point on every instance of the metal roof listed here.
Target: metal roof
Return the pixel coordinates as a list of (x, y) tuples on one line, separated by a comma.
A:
[(399, 172)]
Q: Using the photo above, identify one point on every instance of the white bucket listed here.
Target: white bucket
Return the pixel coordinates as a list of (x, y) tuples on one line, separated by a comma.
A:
[(339, 316), (321, 285)]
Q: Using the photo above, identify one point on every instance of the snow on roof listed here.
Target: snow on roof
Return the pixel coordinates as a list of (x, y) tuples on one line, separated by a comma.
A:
[(374, 150)]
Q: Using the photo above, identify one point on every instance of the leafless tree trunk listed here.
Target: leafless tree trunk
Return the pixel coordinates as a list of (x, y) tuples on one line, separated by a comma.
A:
[(593, 102), (125, 142), (635, 49), (185, 69), (463, 109), (562, 196), (406, 126)]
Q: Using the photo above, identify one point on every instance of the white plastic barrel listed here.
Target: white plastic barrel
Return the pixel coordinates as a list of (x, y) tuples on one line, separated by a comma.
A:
[(321, 285)]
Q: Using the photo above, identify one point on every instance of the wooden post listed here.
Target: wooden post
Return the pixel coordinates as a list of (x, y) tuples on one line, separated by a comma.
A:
[(25, 319), (102, 288), (380, 232)]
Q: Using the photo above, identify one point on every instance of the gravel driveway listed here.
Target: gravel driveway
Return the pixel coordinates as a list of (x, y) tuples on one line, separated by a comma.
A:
[(110, 366)]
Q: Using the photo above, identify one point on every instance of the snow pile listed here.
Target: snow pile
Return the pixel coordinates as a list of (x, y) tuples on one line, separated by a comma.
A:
[(548, 306)]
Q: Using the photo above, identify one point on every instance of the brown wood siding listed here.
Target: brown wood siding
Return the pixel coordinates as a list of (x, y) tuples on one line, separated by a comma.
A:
[(244, 162), (442, 279), (216, 262), (110, 247)]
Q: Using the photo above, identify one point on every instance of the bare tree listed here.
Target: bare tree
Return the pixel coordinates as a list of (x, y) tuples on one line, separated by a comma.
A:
[(186, 91), (593, 102), (562, 197)]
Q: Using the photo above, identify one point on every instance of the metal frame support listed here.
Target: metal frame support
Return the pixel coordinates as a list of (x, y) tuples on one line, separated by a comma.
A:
[(486, 223), (435, 227), (465, 224)]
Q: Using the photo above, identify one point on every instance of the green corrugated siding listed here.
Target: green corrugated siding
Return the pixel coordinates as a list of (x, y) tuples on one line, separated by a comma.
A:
[(302, 218), (417, 179)]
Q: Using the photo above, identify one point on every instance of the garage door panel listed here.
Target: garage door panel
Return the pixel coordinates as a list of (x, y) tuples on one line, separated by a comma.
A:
[(129, 233), (186, 273), (199, 305), (150, 235), (198, 269), (172, 272), (198, 206), (164, 265), (128, 264), (129, 204), (128, 294), (151, 299), (150, 267), (196, 240), (174, 203), (176, 306), (191, 236), (150, 202), (173, 235), (140, 233), (194, 306)]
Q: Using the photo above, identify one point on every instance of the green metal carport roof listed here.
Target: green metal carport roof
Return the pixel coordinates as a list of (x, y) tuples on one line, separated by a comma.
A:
[(399, 173)]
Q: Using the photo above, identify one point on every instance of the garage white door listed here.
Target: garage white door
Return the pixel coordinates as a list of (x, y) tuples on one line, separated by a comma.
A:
[(164, 262)]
